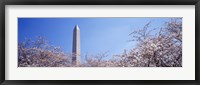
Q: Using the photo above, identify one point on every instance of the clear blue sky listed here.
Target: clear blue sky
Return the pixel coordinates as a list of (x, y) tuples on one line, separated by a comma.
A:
[(98, 35)]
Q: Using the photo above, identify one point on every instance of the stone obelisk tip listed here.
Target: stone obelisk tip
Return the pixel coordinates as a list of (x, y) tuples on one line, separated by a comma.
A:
[(76, 27)]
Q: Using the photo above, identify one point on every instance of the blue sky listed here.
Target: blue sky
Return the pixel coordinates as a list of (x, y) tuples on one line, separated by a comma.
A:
[(98, 35)]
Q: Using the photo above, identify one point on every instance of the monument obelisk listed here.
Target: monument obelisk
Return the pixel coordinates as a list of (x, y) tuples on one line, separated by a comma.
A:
[(76, 46)]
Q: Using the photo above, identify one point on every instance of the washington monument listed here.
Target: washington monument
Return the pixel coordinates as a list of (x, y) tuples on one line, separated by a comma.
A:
[(76, 46)]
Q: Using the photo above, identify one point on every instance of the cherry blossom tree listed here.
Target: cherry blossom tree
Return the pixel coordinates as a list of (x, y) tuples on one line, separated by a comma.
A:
[(163, 49), (39, 53)]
